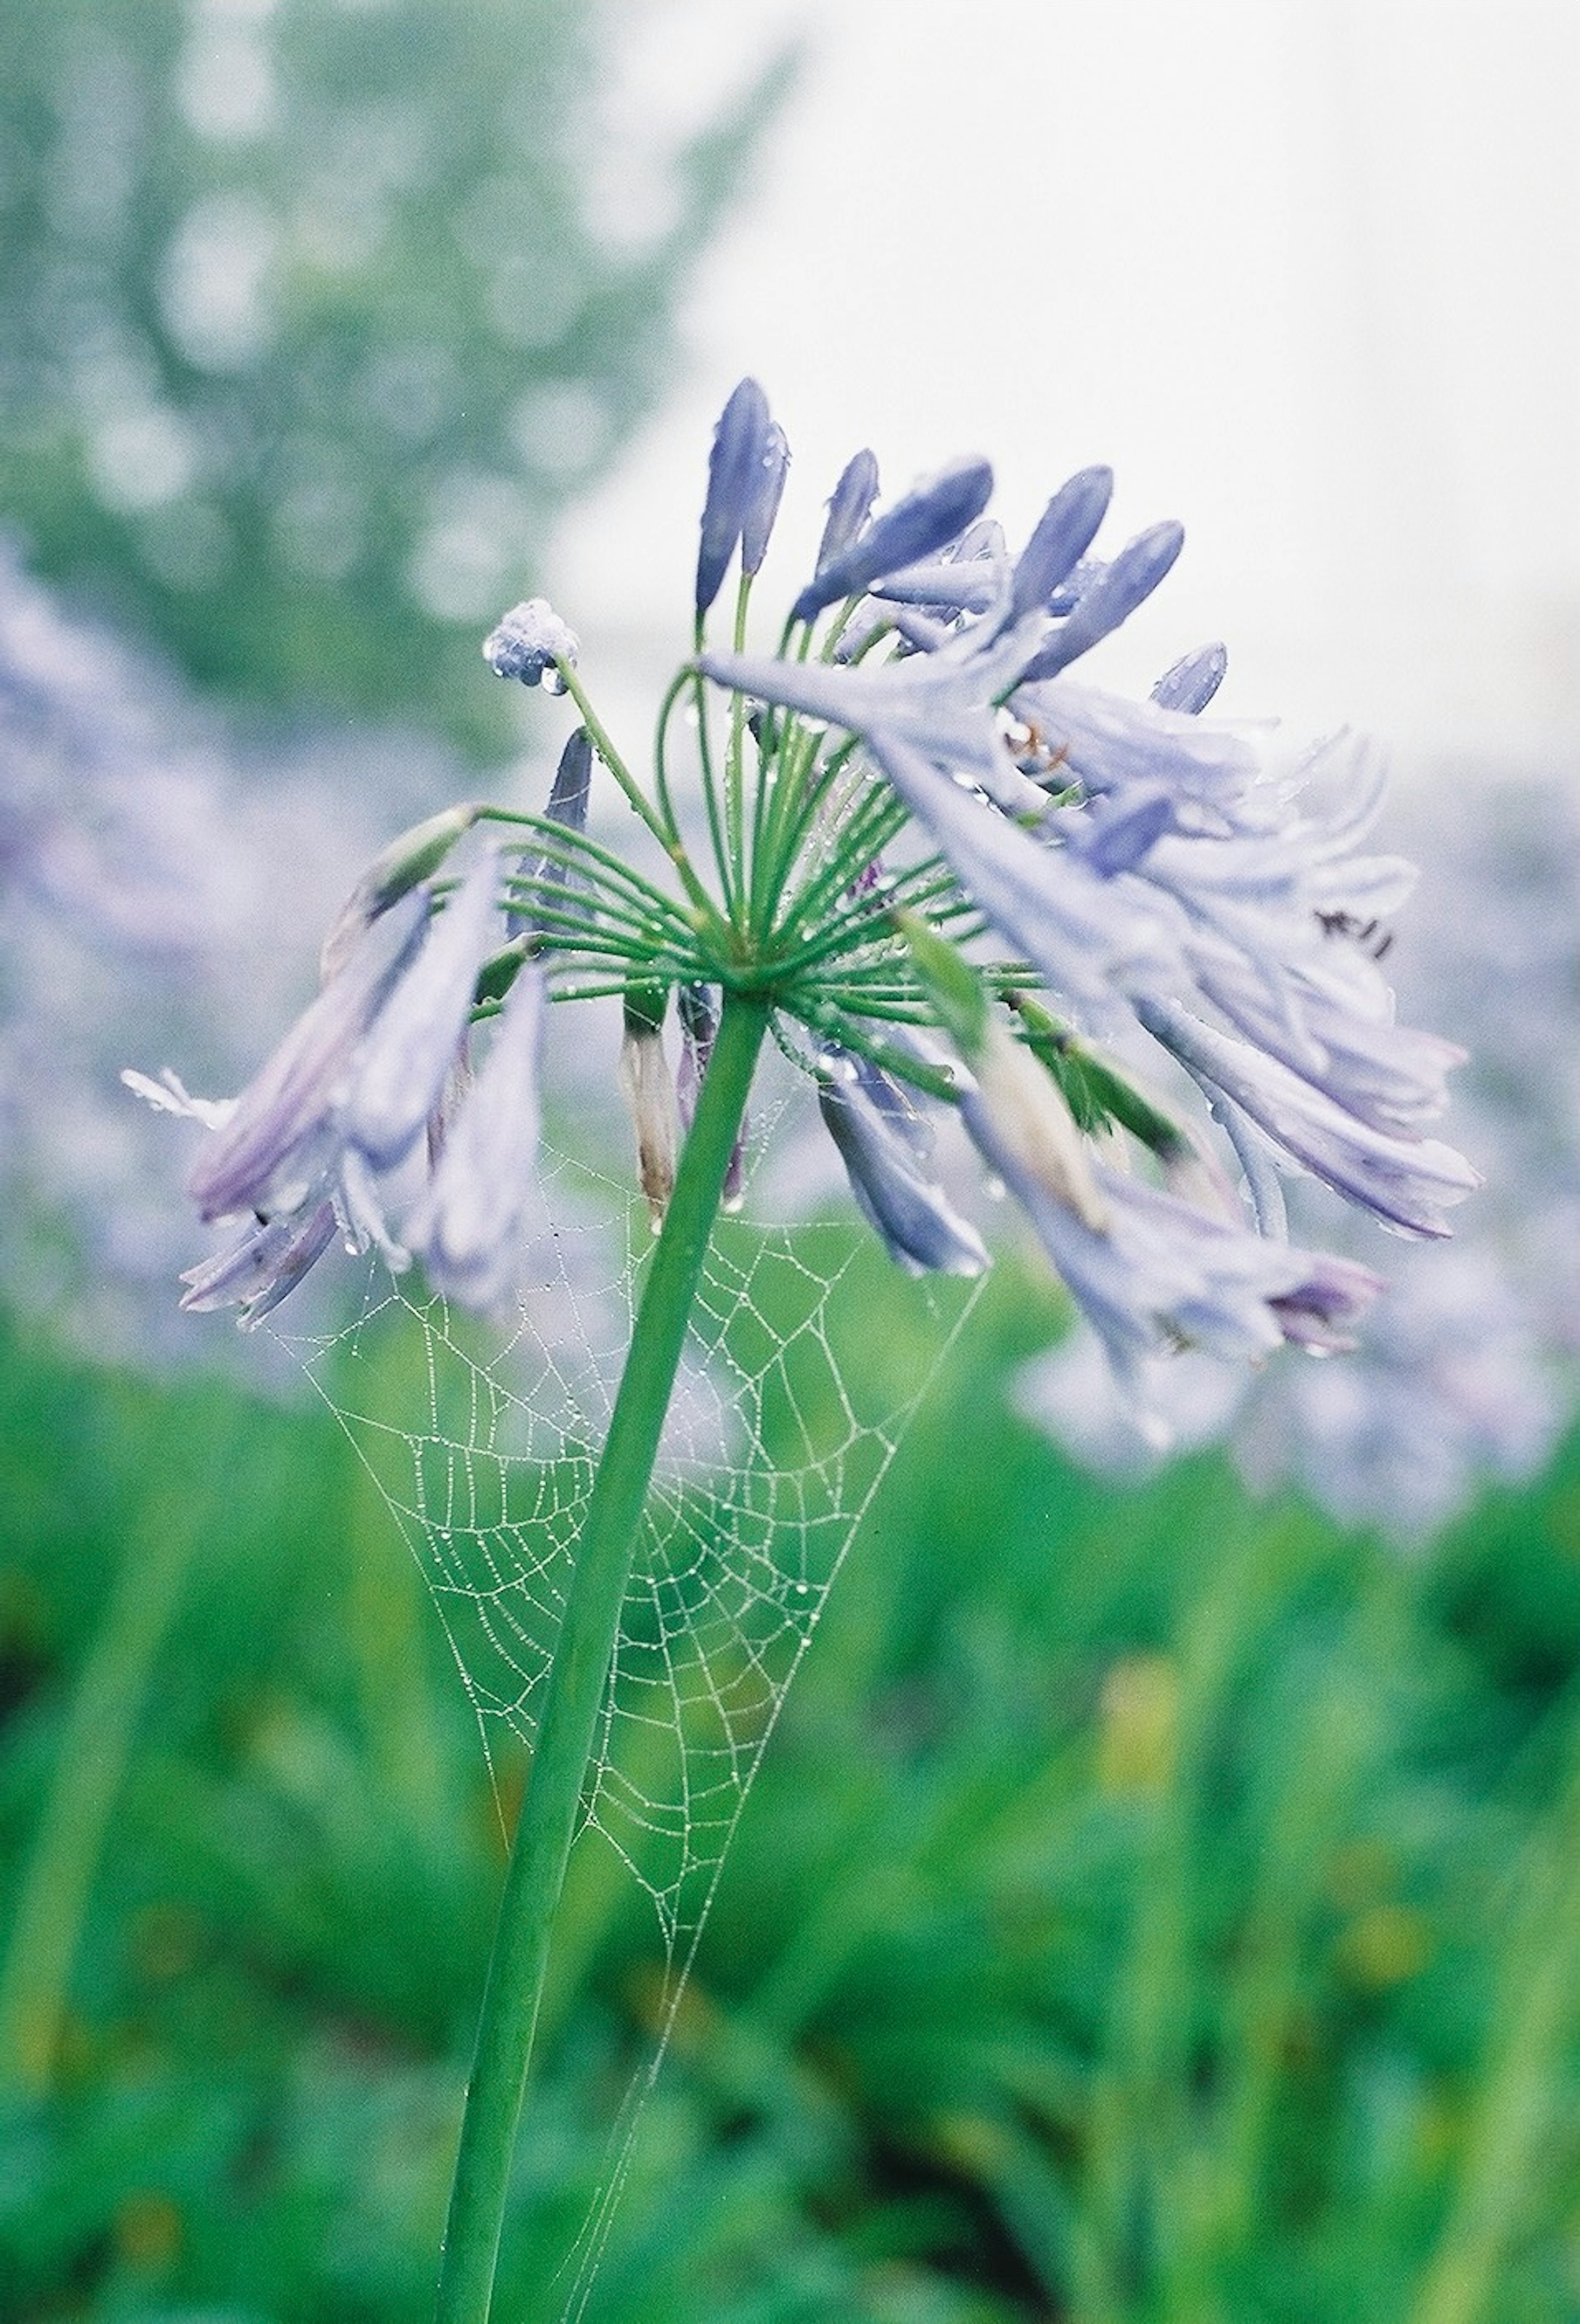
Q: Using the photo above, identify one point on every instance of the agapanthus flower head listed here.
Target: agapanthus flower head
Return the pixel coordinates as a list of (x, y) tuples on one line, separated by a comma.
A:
[(961, 880)]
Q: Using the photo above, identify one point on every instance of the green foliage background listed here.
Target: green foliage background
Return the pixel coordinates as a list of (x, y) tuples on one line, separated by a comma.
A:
[(1152, 1905)]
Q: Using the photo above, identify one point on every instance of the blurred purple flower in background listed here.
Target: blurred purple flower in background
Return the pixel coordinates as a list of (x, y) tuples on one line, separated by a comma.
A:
[(165, 879)]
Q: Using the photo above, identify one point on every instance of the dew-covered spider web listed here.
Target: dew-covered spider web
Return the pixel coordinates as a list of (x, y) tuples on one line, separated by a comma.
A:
[(808, 1355)]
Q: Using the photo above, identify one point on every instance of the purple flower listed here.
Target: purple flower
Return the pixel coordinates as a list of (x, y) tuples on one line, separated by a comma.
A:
[(762, 500), (1110, 597), (849, 506), (1407, 1182), (268, 1262)]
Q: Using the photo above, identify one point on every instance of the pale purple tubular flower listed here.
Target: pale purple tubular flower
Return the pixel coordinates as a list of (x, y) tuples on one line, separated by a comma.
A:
[(1111, 598), (1062, 535), (1192, 681), (736, 479), (465, 1226), (849, 506), (531, 642), (1161, 1273), (763, 500), (915, 527), (259, 1271), (1407, 1182), (885, 1145), (401, 1069), (284, 1132)]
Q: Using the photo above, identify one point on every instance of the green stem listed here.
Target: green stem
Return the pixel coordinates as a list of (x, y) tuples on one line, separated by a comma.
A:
[(574, 1699)]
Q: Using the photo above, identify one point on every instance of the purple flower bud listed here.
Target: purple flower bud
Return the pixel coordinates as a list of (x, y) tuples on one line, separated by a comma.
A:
[(568, 804), (529, 643), (849, 506), (400, 1070), (914, 528), (762, 503), (736, 471), (1063, 534), (1192, 683), (883, 1143), (464, 1227), (1112, 598)]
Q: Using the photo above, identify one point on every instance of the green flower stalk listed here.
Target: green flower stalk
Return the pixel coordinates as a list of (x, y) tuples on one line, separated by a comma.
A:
[(943, 876)]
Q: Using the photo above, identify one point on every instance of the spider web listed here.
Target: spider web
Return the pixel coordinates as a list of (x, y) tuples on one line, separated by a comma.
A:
[(808, 1354)]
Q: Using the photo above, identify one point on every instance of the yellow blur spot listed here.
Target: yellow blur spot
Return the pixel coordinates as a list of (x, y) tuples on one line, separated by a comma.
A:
[(148, 2230), (1384, 1946), (1140, 1712)]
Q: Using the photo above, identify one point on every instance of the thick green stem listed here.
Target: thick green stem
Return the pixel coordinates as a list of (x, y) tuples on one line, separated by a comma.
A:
[(574, 1696)]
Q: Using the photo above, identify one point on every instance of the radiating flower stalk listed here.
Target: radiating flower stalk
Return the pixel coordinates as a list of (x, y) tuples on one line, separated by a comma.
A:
[(948, 878)]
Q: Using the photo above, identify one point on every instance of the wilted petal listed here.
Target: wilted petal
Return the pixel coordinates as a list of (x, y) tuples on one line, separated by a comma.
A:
[(467, 1224), (649, 1092)]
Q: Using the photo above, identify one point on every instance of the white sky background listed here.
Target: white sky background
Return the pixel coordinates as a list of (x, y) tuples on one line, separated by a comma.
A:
[(1305, 273)]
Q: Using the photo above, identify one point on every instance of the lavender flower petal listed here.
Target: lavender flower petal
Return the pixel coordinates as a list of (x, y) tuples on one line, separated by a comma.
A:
[(1408, 1183), (1112, 598), (1060, 539), (763, 503), (1192, 682)]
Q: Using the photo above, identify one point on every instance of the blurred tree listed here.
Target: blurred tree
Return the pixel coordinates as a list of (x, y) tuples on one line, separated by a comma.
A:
[(314, 312)]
